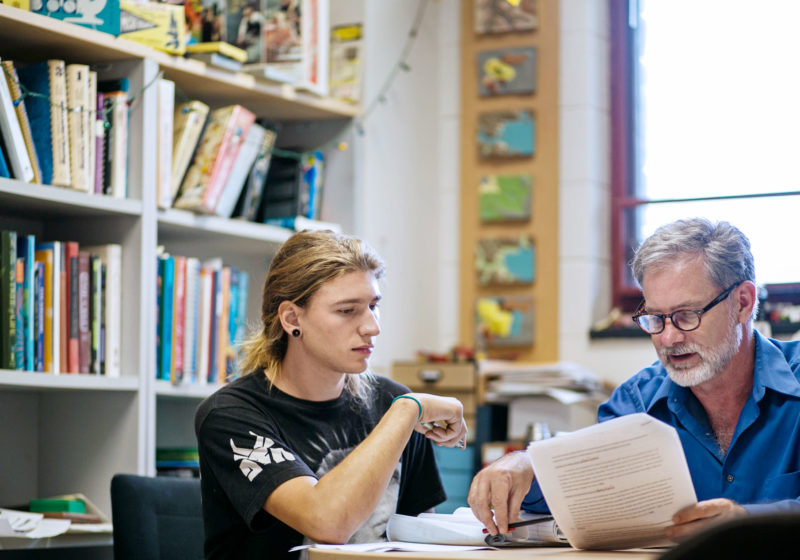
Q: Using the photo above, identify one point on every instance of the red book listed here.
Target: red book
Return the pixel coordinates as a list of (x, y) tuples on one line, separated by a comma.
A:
[(179, 308), (84, 331), (70, 315), (216, 152)]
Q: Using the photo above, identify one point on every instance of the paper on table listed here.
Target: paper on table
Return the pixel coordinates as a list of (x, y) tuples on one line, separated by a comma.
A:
[(26, 525), (392, 547), (615, 484)]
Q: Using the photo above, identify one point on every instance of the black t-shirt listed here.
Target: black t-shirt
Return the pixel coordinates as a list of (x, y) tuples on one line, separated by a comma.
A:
[(252, 438)]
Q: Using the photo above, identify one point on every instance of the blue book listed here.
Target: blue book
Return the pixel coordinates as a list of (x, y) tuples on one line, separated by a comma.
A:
[(233, 320), (4, 171), (39, 322), (19, 346), (36, 79), (166, 318), (26, 246)]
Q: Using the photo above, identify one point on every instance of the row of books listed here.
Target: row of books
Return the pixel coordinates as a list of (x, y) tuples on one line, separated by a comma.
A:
[(60, 126), (202, 308), (221, 162), (59, 306)]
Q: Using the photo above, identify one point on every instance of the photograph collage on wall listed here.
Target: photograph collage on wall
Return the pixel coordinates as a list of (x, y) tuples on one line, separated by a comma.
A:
[(504, 321), (504, 16), (507, 71), (505, 198), (506, 134), (506, 261)]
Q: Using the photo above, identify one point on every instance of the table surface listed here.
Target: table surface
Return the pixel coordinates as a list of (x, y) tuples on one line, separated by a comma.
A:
[(553, 553)]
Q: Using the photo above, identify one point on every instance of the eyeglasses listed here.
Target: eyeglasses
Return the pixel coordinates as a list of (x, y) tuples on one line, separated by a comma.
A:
[(682, 319)]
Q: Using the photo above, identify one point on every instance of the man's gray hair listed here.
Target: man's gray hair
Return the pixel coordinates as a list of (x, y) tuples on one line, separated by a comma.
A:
[(725, 250)]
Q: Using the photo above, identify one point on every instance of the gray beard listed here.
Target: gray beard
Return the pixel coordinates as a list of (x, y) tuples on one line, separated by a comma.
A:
[(713, 361)]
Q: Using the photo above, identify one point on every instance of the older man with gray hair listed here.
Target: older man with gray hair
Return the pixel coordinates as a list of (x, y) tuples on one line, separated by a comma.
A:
[(732, 395)]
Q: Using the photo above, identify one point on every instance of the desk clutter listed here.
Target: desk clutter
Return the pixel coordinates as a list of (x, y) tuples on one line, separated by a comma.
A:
[(51, 517)]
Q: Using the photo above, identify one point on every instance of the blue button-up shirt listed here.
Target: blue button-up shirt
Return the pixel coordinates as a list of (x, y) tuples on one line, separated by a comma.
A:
[(761, 469)]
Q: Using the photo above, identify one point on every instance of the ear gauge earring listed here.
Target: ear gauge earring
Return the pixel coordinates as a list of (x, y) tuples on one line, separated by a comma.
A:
[(296, 333)]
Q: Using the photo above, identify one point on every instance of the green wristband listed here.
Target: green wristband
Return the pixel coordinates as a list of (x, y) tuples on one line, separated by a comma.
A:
[(415, 399)]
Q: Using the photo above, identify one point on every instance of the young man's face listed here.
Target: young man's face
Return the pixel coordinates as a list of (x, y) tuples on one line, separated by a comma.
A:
[(340, 322)]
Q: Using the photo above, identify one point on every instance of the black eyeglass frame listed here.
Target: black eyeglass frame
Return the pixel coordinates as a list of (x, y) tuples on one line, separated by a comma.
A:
[(640, 312)]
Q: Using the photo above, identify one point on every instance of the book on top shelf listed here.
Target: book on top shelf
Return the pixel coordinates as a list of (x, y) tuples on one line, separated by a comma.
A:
[(78, 108), (248, 153), (296, 42), (157, 25), (11, 132), (250, 199), (47, 114), (115, 166), (219, 145), (347, 62), (189, 120), (166, 107), (4, 171), (12, 78), (220, 47)]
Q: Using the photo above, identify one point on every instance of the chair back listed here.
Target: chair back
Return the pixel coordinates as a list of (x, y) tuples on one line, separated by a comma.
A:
[(156, 518), (773, 536)]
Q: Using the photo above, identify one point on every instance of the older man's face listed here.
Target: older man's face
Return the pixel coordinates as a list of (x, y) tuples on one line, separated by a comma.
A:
[(692, 357)]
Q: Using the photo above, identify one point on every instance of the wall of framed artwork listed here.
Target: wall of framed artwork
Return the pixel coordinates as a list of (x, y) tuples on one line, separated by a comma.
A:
[(509, 160)]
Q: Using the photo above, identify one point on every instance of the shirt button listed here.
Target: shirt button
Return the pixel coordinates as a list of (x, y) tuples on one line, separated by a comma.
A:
[(729, 478)]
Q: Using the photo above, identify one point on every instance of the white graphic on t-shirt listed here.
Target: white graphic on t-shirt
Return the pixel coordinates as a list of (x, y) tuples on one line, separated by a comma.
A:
[(262, 454)]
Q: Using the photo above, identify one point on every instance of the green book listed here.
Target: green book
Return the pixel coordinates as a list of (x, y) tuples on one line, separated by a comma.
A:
[(8, 293)]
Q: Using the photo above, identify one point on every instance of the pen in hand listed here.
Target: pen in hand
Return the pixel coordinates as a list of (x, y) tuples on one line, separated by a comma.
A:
[(526, 522)]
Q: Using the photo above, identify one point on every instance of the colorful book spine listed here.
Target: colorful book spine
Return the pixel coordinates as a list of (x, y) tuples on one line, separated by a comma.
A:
[(47, 114), (111, 257), (166, 109), (26, 249), (40, 313), (71, 250), (166, 318), (240, 170), (10, 130), (188, 122), (178, 316), (95, 312), (8, 298), (116, 164), (19, 344), (14, 89), (99, 144), (220, 144), (50, 252), (84, 326), (191, 319), (46, 258), (78, 109)]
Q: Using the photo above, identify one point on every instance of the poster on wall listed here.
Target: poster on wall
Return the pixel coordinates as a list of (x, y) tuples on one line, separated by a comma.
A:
[(506, 134), (507, 71), (505, 16), (505, 261), (503, 321), (505, 198)]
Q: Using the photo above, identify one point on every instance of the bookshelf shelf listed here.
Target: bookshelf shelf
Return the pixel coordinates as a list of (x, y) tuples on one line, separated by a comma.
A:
[(98, 426), (189, 391), (45, 200), (27, 380)]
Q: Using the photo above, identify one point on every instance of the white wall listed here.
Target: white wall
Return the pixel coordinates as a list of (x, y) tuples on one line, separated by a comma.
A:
[(407, 197), (584, 214)]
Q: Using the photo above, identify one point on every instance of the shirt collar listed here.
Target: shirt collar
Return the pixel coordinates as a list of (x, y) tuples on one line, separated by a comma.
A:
[(771, 371)]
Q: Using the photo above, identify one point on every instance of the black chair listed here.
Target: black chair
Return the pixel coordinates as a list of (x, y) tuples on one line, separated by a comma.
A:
[(156, 518), (773, 537)]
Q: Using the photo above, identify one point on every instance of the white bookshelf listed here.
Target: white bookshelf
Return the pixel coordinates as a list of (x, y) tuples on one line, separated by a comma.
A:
[(71, 433)]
